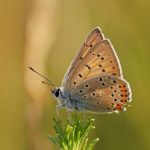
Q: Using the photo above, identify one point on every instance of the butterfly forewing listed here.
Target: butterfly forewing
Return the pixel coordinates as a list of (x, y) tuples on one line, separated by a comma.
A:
[(99, 61), (92, 39), (96, 57)]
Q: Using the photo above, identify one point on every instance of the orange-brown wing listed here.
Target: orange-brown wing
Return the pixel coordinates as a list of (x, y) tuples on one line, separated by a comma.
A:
[(92, 39), (102, 94), (98, 59)]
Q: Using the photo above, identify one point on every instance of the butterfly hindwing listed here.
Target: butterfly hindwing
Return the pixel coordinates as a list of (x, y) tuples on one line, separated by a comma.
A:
[(102, 94)]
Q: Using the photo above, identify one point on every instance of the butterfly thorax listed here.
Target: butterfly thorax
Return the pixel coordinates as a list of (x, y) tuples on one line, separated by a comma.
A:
[(66, 100)]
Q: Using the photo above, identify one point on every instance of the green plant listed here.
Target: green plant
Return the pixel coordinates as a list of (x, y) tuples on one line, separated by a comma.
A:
[(72, 135)]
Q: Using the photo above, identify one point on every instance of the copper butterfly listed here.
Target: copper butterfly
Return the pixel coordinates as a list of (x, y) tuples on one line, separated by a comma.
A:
[(94, 80)]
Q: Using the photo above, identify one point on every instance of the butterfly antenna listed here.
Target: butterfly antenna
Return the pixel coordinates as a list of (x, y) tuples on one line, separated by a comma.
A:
[(44, 82), (48, 81)]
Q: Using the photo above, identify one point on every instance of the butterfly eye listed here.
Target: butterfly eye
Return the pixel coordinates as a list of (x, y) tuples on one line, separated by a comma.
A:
[(57, 92), (91, 45)]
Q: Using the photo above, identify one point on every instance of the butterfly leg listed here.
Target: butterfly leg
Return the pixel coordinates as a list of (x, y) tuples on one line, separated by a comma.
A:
[(69, 117), (84, 115), (59, 107)]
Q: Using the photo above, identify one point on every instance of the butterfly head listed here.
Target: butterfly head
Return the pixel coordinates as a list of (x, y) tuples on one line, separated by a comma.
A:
[(56, 92)]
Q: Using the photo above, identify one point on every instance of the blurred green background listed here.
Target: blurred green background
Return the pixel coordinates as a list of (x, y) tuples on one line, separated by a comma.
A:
[(65, 25)]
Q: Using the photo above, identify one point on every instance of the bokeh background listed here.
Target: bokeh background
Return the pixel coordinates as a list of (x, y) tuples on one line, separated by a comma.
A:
[(46, 35)]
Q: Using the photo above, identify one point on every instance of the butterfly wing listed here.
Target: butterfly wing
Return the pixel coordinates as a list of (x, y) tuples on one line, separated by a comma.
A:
[(96, 57), (92, 39), (102, 94)]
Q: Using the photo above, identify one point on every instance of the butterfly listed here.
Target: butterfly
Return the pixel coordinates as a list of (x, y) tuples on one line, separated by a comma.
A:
[(94, 80)]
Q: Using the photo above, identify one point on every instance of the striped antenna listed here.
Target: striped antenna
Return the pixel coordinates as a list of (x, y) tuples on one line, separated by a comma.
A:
[(48, 81)]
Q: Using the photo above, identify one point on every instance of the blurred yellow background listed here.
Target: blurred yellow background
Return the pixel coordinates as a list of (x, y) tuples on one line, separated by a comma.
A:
[(46, 35)]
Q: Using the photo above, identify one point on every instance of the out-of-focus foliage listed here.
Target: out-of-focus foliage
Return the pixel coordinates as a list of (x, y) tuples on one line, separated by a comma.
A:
[(125, 23)]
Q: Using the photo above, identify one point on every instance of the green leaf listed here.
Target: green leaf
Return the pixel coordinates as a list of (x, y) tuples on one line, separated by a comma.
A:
[(93, 143), (72, 135)]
